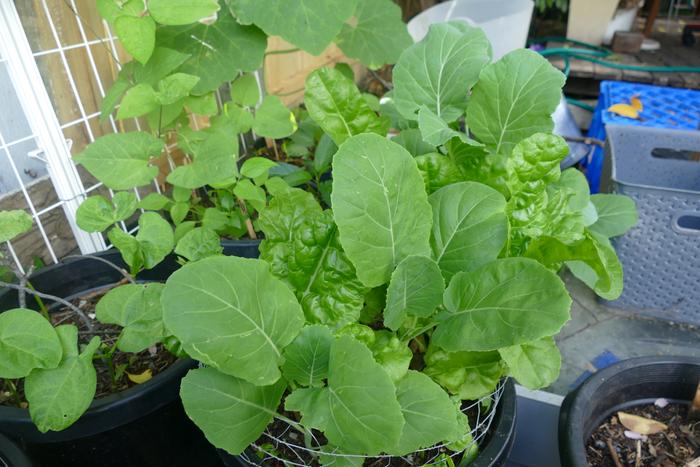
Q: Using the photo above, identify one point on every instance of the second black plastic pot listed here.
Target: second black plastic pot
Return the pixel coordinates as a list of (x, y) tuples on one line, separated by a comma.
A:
[(244, 248), (142, 426), (638, 381), (494, 451)]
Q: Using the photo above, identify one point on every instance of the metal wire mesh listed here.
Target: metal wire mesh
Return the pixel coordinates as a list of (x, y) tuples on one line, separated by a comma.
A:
[(281, 448)]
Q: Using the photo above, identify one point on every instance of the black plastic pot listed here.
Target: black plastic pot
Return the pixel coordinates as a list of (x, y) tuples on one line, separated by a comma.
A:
[(494, 450), (142, 426), (244, 248), (638, 381), (11, 455)]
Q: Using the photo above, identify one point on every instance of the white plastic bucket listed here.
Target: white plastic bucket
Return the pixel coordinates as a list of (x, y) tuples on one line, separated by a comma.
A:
[(505, 22)]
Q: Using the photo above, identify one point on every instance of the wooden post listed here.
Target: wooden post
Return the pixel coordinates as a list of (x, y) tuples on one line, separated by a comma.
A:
[(653, 13)]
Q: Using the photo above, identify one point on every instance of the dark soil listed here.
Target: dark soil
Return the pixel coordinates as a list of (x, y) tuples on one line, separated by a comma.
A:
[(156, 359), (678, 445)]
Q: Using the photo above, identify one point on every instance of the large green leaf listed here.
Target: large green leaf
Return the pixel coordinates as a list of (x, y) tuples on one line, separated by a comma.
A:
[(137, 34), (439, 71), (428, 412), (415, 289), (380, 206), (13, 223), (514, 98), (139, 100), (96, 213), (469, 375), (616, 214), (198, 243), (136, 308), (231, 412), (306, 358), (59, 396), (358, 410), (273, 119), (179, 12), (27, 341), (377, 35), (175, 87), (470, 226), (534, 364), (121, 160), (218, 52), (301, 244), (232, 314), (245, 91), (308, 24), (335, 103), (506, 302)]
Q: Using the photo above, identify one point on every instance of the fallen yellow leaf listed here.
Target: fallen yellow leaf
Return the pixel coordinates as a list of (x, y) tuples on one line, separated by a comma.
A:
[(625, 110), (141, 377), (641, 425), (636, 102)]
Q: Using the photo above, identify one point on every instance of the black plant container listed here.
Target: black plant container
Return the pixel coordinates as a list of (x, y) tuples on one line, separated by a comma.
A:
[(245, 248), (494, 450), (11, 455), (638, 381), (142, 426)]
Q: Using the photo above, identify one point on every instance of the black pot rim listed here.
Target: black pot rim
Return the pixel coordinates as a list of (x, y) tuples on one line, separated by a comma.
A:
[(241, 242), (11, 454), (572, 436)]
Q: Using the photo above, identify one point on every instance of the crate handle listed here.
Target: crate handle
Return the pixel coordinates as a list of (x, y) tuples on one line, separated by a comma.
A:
[(678, 154), (687, 223)]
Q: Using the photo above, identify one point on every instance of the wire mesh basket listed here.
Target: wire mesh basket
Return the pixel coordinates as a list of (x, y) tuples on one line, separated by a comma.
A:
[(281, 448)]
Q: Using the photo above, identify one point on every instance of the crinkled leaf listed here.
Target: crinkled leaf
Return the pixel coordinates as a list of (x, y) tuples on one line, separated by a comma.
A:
[(178, 12), (468, 375), (415, 289), (244, 91), (616, 214), (232, 314), (231, 412), (514, 98), (306, 358), (391, 353), (137, 34), (574, 180), (534, 364), (428, 411), (59, 396), (273, 119), (478, 164), (379, 201), (13, 223), (377, 35), (439, 70), (121, 160), (336, 104), (136, 308), (96, 213), (27, 341), (412, 140), (506, 302), (470, 227), (199, 243), (301, 244)]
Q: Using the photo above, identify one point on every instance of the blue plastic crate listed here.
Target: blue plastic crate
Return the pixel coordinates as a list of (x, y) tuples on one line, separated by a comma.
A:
[(664, 107)]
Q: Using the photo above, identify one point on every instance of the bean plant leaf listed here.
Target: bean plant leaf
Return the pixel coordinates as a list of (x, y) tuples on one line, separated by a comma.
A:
[(139, 100), (136, 308), (377, 35), (273, 119), (27, 341), (503, 303), (616, 214), (308, 24), (59, 396), (514, 98), (13, 223), (230, 411), (218, 52), (379, 202), (336, 105), (137, 34), (302, 246), (415, 289), (96, 213), (468, 375), (179, 12), (245, 91), (232, 314), (154, 202), (121, 160), (198, 243), (306, 358), (470, 227), (439, 71), (534, 364), (428, 412), (174, 87), (153, 241)]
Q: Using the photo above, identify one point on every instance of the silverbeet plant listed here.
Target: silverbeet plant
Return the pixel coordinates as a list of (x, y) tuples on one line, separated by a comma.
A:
[(433, 276)]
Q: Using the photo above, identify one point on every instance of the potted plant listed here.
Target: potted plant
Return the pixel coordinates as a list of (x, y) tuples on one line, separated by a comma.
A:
[(650, 399), (88, 373)]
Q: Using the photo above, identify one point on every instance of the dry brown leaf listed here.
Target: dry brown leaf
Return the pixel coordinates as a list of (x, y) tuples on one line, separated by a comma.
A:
[(641, 425), (625, 110), (141, 377)]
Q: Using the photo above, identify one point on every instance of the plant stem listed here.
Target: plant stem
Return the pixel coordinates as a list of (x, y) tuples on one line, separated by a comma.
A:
[(248, 222), (13, 391), (121, 271), (283, 51), (83, 317)]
